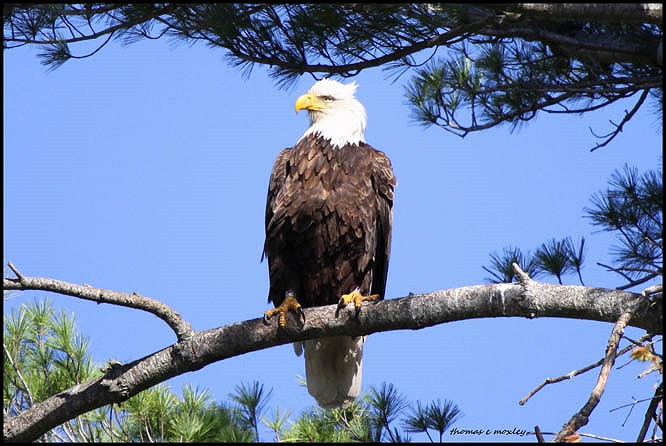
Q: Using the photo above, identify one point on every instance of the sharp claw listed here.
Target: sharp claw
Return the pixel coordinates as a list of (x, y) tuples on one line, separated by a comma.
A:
[(302, 313), (357, 312)]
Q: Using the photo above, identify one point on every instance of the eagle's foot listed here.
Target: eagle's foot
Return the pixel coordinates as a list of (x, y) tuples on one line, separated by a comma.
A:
[(356, 297), (288, 304)]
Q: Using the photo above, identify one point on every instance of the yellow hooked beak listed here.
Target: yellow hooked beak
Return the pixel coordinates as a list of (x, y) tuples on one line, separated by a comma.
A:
[(309, 101)]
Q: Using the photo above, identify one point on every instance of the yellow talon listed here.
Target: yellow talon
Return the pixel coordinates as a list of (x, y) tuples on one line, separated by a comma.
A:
[(356, 297), (288, 304)]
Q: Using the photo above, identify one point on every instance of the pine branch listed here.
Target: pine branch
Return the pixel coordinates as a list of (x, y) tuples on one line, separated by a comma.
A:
[(528, 299), (631, 283), (618, 127), (392, 54)]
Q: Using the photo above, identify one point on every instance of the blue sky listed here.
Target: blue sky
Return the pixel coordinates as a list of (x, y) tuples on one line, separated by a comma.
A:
[(145, 168)]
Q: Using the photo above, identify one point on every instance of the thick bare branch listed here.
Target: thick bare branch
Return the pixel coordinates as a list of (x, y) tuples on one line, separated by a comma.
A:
[(99, 295), (530, 299), (600, 48), (603, 12)]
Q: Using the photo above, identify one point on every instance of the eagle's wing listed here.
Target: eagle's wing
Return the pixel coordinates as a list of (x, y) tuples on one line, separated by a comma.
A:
[(275, 183), (383, 182)]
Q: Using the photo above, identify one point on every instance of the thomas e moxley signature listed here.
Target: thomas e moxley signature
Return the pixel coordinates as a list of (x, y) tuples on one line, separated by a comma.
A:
[(514, 431)]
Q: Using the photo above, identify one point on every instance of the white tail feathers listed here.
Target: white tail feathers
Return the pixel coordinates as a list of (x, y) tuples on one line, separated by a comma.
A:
[(333, 369)]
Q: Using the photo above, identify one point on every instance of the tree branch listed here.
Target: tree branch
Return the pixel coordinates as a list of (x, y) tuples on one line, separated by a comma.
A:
[(627, 117), (121, 26), (600, 48), (632, 283), (392, 55), (572, 374), (133, 300), (527, 299), (650, 414), (581, 417), (603, 12)]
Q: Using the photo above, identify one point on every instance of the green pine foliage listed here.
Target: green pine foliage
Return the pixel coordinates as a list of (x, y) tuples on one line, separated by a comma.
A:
[(501, 265), (381, 415), (473, 66), (631, 208), (317, 425), (553, 257), (437, 416), (386, 405), (251, 400), (43, 354)]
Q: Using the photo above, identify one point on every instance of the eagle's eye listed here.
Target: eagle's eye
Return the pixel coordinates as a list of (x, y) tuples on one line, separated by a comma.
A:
[(328, 98)]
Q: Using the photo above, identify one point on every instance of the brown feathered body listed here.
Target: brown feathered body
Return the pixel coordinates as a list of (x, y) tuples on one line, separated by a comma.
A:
[(328, 230), (328, 221)]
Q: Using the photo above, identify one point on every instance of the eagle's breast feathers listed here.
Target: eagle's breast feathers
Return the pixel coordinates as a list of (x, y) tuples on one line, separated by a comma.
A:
[(328, 218)]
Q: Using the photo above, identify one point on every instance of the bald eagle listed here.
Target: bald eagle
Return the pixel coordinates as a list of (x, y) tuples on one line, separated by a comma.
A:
[(328, 231)]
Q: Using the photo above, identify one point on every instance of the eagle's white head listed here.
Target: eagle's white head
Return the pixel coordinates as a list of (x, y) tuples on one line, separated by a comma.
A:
[(334, 112)]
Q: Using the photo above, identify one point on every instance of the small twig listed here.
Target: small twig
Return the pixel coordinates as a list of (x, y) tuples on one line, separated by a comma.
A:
[(581, 418), (599, 437), (615, 270), (627, 117), (639, 343), (633, 403), (523, 277), (99, 295), (569, 375), (650, 413), (632, 283), (631, 409), (28, 394), (653, 290), (15, 270), (646, 372)]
